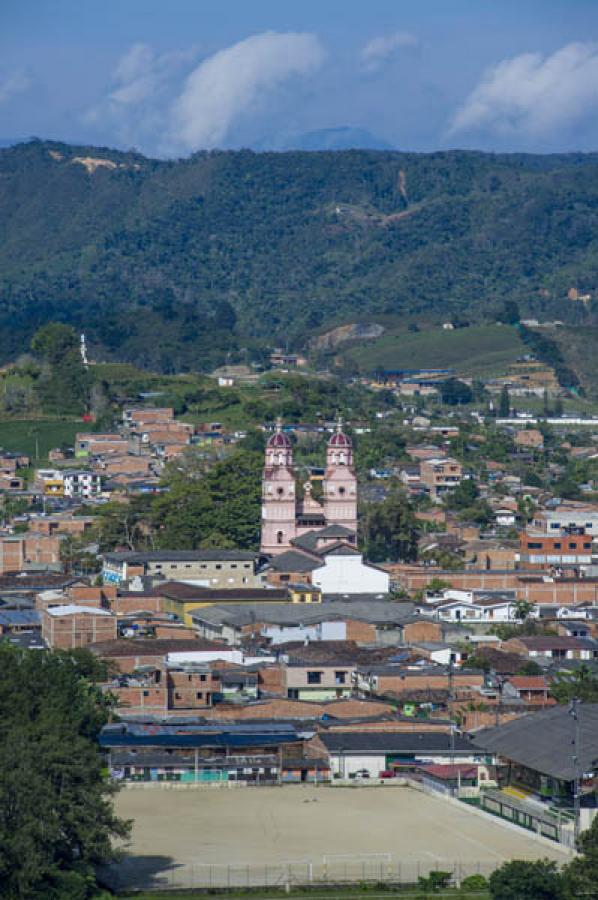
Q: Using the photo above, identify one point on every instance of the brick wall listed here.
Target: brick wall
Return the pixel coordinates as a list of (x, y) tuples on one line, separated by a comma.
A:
[(422, 631), (271, 680), (394, 684), (362, 632), (133, 603), (76, 630), (191, 690)]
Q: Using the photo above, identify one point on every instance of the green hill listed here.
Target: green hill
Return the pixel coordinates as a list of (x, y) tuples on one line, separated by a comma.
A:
[(174, 265)]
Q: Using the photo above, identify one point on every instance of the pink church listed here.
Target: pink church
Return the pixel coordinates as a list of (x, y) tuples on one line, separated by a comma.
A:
[(284, 516)]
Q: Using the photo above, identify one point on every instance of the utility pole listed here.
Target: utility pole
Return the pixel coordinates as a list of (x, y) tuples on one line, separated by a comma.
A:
[(574, 713)]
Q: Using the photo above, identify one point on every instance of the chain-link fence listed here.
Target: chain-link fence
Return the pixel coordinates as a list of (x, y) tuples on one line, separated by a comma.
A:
[(135, 873)]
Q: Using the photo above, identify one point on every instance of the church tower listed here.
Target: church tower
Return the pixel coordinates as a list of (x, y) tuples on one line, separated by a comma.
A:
[(340, 481), (278, 494)]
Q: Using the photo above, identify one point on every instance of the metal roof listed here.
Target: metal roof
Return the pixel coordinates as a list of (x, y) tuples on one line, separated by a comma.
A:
[(543, 741)]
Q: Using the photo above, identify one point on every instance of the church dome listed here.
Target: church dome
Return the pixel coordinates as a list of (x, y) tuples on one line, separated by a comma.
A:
[(340, 439), (279, 440)]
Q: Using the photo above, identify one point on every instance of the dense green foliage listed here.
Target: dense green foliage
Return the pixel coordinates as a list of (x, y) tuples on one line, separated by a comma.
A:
[(541, 880), (523, 880), (215, 506), (56, 818), (390, 529), (209, 253)]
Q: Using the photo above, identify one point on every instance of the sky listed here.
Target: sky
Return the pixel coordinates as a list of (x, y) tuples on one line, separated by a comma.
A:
[(170, 77)]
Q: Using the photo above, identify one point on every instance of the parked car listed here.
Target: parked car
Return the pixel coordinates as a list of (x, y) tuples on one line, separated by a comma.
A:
[(388, 773), (360, 773)]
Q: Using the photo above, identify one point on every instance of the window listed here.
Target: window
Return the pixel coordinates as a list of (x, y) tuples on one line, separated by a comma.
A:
[(173, 566), (285, 578), (217, 566), (340, 677), (587, 546), (279, 537), (233, 565), (146, 693), (177, 696), (572, 545), (199, 695), (341, 491), (293, 693), (314, 678), (280, 491), (557, 545), (534, 545), (246, 566), (202, 677)]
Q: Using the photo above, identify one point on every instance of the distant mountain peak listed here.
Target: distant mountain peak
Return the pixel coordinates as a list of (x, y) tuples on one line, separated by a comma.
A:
[(344, 137)]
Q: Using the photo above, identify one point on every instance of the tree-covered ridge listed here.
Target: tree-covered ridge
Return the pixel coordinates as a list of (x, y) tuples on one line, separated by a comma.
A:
[(172, 264)]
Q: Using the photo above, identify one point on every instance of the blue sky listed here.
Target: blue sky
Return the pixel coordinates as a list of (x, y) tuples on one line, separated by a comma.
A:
[(173, 76)]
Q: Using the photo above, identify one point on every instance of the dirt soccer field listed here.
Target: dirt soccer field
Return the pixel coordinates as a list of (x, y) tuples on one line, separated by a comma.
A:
[(207, 831)]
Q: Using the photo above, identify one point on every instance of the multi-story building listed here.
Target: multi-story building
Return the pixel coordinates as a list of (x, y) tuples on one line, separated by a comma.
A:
[(544, 551), (440, 475), (203, 568), (67, 627), (80, 483)]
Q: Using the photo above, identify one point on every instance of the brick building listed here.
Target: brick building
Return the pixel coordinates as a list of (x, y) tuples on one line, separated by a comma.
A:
[(67, 627)]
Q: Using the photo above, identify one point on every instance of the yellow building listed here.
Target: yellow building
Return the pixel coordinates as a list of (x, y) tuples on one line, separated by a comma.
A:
[(181, 599)]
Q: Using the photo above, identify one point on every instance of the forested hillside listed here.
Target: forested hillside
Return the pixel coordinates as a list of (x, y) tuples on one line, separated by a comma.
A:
[(175, 264)]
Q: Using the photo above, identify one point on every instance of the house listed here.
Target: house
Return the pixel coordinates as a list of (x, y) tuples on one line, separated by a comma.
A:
[(356, 752), (129, 655), (553, 647), (532, 689), (567, 518), (203, 568), (402, 679), (68, 627), (96, 444), (474, 606), (440, 475), (529, 438)]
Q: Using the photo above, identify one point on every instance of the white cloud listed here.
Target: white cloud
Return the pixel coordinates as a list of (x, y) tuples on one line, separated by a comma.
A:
[(533, 95), (234, 82), (380, 50), (12, 85), (144, 84)]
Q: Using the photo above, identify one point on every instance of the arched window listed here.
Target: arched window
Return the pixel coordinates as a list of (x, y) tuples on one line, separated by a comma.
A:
[(279, 537), (280, 491), (341, 491)]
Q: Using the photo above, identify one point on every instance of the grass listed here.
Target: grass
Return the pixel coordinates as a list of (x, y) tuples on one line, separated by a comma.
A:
[(479, 350), (19, 434), (579, 348)]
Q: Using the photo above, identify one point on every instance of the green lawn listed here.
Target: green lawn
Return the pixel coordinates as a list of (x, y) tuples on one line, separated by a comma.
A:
[(479, 350), (21, 435)]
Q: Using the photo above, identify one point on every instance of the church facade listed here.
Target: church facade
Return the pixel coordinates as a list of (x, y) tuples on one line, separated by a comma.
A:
[(286, 517)]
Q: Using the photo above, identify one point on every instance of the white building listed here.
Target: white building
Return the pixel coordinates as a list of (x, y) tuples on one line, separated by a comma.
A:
[(79, 483), (344, 572)]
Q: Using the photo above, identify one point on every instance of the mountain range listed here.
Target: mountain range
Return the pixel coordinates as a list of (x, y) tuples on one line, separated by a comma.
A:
[(180, 264)]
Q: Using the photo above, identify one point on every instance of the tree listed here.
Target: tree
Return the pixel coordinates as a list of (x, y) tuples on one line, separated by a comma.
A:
[(504, 404), (455, 392), (582, 684), (581, 875), (509, 315), (524, 880), (465, 494), (56, 817), (64, 383), (390, 529), (201, 507)]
